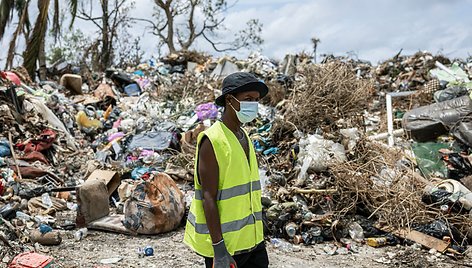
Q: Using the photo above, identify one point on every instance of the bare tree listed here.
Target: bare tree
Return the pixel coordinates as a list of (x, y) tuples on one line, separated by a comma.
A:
[(201, 19), (35, 40), (129, 53), (114, 15)]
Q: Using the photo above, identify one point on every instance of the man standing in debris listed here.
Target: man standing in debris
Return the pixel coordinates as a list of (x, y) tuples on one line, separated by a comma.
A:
[(225, 220)]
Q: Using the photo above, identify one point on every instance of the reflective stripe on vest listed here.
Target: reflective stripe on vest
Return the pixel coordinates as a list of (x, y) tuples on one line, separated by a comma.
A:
[(228, 226), (238, 198), (233, 191)]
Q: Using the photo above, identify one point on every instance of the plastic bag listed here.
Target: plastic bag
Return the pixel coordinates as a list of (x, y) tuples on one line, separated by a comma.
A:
[(83, 121), (155, 206), (317, 153), (206, 111), (429, 159), (458, 166), (352, 134), (4, 148), (437, 229), (429, 122)]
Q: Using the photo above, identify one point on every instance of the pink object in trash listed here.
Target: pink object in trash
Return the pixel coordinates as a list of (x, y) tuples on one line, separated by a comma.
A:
[(117, 123), (145, 153), (13, 78), (115, 136), (206, 111), (31, 260)]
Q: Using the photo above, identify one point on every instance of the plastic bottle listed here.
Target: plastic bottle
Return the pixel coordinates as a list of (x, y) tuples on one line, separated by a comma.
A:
[(23, 216), (281, 244), (444, 208), (356, 232), (291, 229), (46, 200), (377, 241), (148, 251), (80, 234)]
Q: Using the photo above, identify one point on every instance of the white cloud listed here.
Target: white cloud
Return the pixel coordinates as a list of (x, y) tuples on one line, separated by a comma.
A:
[(374, 29)]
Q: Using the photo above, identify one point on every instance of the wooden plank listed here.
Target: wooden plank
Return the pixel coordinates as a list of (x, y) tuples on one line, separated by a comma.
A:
[(427, 241), (423, 239), (418, 237)]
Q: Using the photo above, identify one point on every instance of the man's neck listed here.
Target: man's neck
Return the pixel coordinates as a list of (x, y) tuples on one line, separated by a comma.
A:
[(231, 123)]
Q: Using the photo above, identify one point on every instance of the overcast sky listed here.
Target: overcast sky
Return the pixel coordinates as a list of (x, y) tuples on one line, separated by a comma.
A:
[(374, 29)]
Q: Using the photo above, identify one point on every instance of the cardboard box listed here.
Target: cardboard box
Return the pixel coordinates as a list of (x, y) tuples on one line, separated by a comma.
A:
[(110, 178), (92, 201)]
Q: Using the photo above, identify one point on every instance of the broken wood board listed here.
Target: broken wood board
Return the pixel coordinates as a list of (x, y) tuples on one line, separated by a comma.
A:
[(420, 238)]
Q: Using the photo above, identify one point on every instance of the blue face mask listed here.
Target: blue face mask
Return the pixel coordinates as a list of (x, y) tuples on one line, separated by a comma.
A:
[(247, 110)]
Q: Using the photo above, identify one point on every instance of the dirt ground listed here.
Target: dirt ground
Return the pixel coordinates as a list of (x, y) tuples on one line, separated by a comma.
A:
[(169, 251)]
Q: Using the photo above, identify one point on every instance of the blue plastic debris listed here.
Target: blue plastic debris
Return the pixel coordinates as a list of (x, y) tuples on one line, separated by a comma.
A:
[(44, 228), (133, 90), (4, 148), (272, 150)]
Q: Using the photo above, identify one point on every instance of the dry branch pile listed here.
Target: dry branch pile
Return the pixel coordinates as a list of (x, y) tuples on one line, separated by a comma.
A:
[(381, 182), (325, 94)]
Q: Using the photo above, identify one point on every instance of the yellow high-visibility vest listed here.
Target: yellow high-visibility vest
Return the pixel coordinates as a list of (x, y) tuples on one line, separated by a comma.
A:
[(238, 197)]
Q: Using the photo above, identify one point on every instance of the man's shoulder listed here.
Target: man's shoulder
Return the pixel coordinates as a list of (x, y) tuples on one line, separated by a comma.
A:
[(215, 128)]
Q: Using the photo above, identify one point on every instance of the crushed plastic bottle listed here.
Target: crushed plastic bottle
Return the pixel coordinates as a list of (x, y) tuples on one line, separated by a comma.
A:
[(83, 121), (81, 234), (46, 200), (281, 244), (356, 232), (377, 241)]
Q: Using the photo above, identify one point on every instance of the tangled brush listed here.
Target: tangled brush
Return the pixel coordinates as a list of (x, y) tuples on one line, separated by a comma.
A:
[(390, 193), (326, 93)]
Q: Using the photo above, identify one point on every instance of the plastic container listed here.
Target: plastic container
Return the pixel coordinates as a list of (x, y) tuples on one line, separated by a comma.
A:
[(81, 234), (148, 251), (281, 244), (46, 200), (377, 241), (356, 232), (291, 229)]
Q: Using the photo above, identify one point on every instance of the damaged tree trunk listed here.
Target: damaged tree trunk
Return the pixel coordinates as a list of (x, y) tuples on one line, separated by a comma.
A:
[(42, 61), (36, 41), (105, 59)]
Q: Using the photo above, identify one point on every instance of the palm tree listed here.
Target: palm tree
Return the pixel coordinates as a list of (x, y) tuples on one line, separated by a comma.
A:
[(35, 42), (7, 8)]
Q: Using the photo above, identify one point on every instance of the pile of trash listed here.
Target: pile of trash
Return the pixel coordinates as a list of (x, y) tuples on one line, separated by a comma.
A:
[(405, 73), (345, 183), (114, 151)]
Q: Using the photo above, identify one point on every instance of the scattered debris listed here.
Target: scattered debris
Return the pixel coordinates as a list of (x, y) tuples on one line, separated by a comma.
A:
[(117, 154)]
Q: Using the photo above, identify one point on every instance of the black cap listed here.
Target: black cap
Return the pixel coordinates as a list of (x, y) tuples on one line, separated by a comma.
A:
[(241, 82)]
